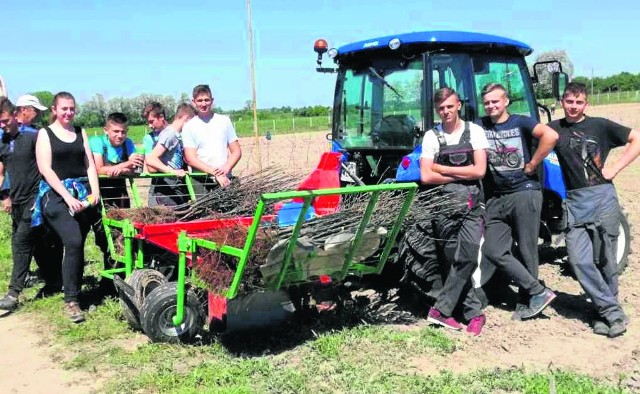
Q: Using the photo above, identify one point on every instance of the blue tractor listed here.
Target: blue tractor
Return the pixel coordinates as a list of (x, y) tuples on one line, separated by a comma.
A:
[(382, 107)]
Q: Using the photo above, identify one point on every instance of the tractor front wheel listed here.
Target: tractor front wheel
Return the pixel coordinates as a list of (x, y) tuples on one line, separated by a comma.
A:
[(159, 308)]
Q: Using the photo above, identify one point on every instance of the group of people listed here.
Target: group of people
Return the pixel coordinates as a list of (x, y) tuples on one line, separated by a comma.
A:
[(54, 184), (501, 200)]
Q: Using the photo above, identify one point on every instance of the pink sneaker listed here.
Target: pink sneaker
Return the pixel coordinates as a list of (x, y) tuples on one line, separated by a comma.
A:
[(438, 318), (475, 325)]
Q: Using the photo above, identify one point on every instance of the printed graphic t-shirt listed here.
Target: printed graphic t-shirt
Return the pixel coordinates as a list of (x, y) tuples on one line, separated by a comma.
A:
[(583, 148), (510, 145)]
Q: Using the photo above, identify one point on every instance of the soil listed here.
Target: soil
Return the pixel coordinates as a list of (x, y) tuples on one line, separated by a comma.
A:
[(561, 338), (32, 363)]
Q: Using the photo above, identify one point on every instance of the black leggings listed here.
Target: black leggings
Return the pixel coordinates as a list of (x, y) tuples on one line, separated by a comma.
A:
[(73, 231)]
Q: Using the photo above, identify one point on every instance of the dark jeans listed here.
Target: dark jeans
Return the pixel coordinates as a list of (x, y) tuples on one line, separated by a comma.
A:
[(73, 231), (168, 192), (27, 241), (515, 217), (458, 237), (202, 185), (593, 227)]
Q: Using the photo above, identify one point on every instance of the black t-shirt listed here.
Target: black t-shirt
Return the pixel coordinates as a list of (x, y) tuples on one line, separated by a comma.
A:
[(18, 154), (510, 145), (583, 149)]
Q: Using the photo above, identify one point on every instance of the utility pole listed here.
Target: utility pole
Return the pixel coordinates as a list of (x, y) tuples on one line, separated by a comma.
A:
[(3, 88), (253, 87)]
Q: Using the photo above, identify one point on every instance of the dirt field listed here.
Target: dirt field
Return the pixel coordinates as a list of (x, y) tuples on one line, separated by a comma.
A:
[(562, 338)]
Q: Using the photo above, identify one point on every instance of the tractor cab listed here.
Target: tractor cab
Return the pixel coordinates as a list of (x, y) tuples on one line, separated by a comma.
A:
[(382, 105)]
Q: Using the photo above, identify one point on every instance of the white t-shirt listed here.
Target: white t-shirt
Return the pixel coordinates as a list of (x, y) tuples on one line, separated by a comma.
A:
[(431, 146), (211, 139)]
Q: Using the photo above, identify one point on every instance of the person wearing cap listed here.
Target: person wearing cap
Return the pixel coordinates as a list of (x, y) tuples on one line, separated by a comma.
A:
[(49, 248), (17, 154), (28, 110)]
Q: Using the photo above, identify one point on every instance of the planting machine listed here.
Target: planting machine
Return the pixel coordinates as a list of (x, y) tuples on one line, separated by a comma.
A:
[(236, 273)]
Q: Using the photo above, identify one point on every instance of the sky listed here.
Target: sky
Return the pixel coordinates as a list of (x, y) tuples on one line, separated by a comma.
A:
[(125, 48)]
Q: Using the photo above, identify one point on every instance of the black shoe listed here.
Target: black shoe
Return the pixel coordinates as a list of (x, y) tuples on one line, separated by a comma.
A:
[(617, 328), (600, 327), (538, 302), (521, 309), (33, 279), (9, 303)]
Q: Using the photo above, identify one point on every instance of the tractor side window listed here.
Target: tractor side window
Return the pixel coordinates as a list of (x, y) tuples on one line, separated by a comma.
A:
[(509, 72), (451, 71)]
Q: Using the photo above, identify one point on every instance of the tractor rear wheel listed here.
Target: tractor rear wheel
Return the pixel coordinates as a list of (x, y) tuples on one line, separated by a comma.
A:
[(159, 308), (624, 242)]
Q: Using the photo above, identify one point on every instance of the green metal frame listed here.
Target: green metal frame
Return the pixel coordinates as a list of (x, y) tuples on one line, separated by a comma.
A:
[(187, 245), (132, 257)]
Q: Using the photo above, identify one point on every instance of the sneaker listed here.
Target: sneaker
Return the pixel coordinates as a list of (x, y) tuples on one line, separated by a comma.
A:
[(475, 325), (617, 328), (9, 303), (73, 312), (521, 309), (539, 302), (438, 318), (600, 327)]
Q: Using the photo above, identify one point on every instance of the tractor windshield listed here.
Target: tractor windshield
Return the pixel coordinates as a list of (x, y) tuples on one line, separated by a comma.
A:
[(379, 105)]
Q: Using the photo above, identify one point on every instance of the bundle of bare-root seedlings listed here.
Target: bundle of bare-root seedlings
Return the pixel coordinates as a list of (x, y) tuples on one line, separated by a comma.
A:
[(143, 215), (427, 205), (239, 198), (217, 269)]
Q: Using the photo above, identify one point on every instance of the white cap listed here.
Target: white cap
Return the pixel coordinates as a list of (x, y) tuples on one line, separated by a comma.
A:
[(28, 100)]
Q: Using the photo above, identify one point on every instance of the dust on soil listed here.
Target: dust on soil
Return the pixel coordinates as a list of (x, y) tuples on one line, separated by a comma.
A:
[(32, 362), (562, 338)]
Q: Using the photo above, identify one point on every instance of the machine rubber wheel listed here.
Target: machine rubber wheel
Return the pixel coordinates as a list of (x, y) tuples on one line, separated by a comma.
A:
[(624, 242), (142, 282), (159, 308), (130, 310)]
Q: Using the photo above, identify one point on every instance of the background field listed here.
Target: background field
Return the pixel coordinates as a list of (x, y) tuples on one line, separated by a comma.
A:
[(244, 128), (555, 353)]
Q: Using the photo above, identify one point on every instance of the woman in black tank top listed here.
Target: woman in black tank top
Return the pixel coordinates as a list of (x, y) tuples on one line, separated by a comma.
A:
[(63, 154)]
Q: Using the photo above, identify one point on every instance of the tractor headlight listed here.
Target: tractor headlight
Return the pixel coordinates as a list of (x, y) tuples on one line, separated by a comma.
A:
[(332, 53), (395, 44)]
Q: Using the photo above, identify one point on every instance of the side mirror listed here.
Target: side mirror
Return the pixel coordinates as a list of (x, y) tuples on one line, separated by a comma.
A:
[(559, 82)]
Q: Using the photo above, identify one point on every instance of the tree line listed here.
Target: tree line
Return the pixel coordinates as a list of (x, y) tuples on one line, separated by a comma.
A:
[(94, 111), (622, 82)]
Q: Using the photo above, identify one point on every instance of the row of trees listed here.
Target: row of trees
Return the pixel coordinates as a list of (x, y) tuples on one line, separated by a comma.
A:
[(93, 112), (622, 82)]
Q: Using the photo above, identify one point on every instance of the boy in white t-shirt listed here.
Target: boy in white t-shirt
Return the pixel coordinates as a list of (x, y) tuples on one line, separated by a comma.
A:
[(454, 155), (210, 141)]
